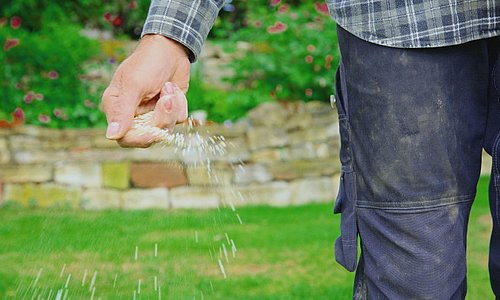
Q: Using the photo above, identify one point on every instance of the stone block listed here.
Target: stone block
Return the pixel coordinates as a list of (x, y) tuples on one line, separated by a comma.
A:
[(298, 121), (101, 141), (318, 108), (303, 151), (145, 199), (262, 137), (96, 198), (115, 175), (155, 153), (80, 142), (314, 134), (228, 130), (268, 114), (148, 175), (305, 168), (26, 173), (270, 155), (236, 150), (216, 175), (25, 142), (79, 174), (252, 173), (276, 193), (319, 189), (37, 131), (97, 155), (39, 156), (193, 197), (4, 151), (42, 195)]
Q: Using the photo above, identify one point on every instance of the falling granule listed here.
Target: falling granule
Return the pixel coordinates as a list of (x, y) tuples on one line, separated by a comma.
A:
[(92, 282), (114, 281), (239, 218), (65, 294), (231, 204), (156, 283), (222, 269), (225, 252), (136, 253), (196, 236), (62, 271), (212, 287), (67, 281), (135, 294), (50, 294), (202, 296), (156, 249), (211, 255), (139, 287), (37, 277), (84, 277), (59, 294), (159, 292), (227, 238), (233, 248), (93, 293)]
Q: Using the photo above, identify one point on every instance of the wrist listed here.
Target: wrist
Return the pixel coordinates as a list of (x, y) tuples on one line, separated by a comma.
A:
[(169, 44)]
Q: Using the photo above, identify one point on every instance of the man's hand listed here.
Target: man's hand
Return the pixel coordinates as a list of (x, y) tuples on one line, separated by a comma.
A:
[(155, 77)]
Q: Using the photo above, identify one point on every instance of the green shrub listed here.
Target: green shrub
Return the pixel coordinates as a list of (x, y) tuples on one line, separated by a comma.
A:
[(44, 75), (293, 52)]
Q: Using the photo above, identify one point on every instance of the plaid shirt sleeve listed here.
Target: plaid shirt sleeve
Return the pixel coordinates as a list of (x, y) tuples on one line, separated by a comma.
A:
[(187, 22)]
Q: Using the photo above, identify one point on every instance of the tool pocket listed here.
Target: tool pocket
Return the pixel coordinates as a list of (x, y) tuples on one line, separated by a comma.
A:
[(346, 246)]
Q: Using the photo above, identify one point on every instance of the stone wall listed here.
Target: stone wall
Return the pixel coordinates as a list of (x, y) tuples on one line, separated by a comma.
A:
[(289, 151)]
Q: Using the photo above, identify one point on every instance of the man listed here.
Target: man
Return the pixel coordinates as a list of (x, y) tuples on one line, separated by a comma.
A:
[(417, 100)]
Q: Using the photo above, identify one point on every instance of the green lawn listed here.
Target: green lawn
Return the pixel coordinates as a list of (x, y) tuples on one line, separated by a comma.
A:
[(282, 253)]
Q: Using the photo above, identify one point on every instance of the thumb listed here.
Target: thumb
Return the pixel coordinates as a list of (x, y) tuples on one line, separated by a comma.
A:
[(171, 107), (119, 108)]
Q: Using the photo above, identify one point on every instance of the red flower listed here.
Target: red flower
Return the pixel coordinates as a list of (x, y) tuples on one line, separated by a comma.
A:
[(283, 8), (309, 59), (108, 16), (17, 86), (58, 112), (28, 98), (257, 24), (275, 2), (132, 4), (15, 22), (308, 92), (322, 8), (10, 43), (311, 48), (53, 75), (117, 22), (43, 118), (278, 27)]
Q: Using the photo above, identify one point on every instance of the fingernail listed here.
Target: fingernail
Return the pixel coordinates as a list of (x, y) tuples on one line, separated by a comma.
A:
[(167, 104), (169, 87), (113, 130)]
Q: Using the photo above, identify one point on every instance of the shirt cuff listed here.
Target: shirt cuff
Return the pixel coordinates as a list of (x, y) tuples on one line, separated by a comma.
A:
[(187, 22)]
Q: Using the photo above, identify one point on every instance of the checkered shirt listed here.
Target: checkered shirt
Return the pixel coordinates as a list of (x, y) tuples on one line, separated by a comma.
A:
[(394, 23)]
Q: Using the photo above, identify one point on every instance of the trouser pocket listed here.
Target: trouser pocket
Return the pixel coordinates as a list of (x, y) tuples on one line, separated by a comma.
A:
[(346, 246), (494, 195)]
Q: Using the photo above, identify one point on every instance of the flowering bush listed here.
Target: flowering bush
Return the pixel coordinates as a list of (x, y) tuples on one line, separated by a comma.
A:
[(41, 75), (293, 51)]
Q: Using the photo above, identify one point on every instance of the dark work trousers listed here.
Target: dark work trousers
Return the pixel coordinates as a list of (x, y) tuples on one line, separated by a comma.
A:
[(413, 123)]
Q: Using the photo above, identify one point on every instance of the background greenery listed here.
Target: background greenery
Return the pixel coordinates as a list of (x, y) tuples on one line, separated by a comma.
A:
[(283, 253), (45, 62)]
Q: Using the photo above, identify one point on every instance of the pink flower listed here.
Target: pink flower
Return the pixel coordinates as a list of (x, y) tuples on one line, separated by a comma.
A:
[(309, 59), (15, 22), (278, 27), (58, 112), (308, 92), (311, 48), (28, 98), (322, 8), (132, 4), (275, 2), (88, 103), (17, 86), (18, 113), (10, 43), (53, 75), (38, 96), (283, 8), (43, 118), (117, 22), (257, 24)]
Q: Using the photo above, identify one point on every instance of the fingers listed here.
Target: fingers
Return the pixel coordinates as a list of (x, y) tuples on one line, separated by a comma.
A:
[(169, 110), (119, 107)]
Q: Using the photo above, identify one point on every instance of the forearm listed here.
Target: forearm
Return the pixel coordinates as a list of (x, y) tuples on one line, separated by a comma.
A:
[(187, 22)]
